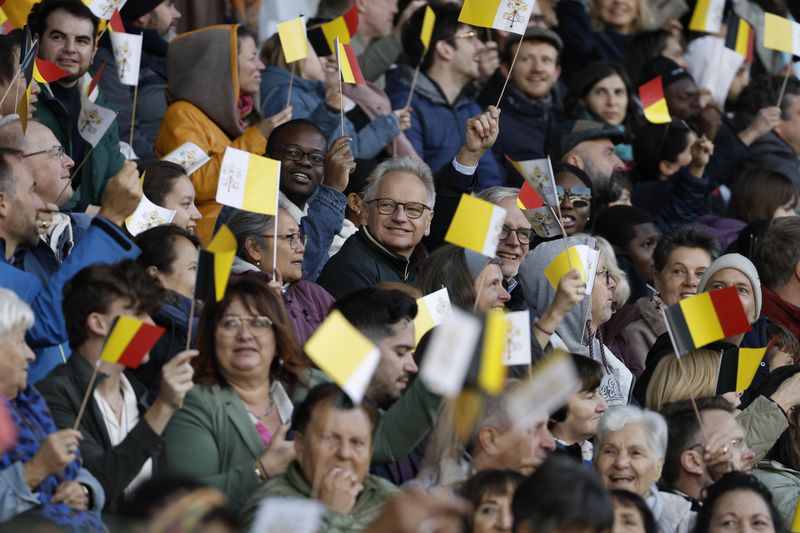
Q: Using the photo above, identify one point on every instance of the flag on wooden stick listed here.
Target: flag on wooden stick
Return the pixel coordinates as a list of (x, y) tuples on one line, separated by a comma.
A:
[(740, 37), (344, 27), (476, 225), (292, 34), (505, 15), (249, 182), (214, 266), (654, 102), (129, 341), (707, 16)]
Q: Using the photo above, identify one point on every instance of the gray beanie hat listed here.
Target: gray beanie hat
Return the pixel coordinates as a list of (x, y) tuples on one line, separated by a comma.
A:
[(743, 265), (477, 262)]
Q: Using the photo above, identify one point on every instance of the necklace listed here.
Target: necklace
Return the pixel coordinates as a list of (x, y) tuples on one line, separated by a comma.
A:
[(269, 410)]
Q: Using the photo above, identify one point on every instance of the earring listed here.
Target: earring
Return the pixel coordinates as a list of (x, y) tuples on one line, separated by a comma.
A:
[(258, 263), (358, 213)]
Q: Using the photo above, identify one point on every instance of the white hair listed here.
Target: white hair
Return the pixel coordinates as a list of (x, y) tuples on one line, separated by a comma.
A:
[(622, 291), (407, 164), (14, 313), (653, 423), (497, 194)]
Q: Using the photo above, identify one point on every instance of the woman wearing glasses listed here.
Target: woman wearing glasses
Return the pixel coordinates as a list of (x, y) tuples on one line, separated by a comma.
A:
[(229, 433), (306, 302)]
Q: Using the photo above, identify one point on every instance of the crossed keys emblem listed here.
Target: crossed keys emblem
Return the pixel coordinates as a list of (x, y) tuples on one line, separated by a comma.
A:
[(514, 16), (187, 158), (231, 178), (90, 118), (122, 55)]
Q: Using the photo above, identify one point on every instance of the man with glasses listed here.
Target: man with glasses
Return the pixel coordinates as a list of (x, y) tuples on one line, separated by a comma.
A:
[(441, 104), (699, 455), (399, 204), (515, 240), (121, 428)]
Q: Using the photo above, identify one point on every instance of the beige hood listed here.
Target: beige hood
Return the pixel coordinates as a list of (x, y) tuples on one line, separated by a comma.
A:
[(202, 69)]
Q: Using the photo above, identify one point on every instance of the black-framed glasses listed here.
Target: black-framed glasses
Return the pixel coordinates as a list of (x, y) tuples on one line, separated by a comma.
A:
[(523, 234), (578, 196), (387, 206), (295, 239), (258, 326), (293, 153), (55, 150)]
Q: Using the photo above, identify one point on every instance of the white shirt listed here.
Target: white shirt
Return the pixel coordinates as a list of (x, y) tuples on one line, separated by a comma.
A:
[(119, 429)]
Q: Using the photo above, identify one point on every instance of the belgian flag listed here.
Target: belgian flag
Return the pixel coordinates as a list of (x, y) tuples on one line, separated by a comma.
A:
[(738, 368), (129, 341), (344, 27), (740, 37), (214, 266), (706, 318)]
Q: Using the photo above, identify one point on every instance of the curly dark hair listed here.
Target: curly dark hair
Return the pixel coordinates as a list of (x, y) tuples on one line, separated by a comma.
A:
[(288, 365)]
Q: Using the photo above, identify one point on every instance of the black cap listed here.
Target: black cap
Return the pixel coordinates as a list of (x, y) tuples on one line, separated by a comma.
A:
[(569, 134), (669, 71), (133, 9)]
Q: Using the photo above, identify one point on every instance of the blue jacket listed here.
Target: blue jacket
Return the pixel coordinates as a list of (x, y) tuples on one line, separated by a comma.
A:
[(101, 242), (308, 101), (437, 127), (524, 124)]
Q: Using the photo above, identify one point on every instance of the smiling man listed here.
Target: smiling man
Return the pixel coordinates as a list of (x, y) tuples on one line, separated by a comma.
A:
[(66, 30), (532, 103), (399, 203)]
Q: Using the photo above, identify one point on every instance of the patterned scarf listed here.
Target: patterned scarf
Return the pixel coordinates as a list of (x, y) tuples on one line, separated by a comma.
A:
[(244, 106), (34, 423)]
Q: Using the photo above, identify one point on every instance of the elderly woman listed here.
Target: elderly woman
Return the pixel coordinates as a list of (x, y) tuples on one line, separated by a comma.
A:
[(167, 185), (214, 80), (306, 302), (169, 254), (41, 470), (230, 433), (473, 281), (629, 455), (578, 330)]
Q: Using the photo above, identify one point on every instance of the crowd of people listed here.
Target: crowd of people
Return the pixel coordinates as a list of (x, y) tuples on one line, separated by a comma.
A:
[(197, 438)]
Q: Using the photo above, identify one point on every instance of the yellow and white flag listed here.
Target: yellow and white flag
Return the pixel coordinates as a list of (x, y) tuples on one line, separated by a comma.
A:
[(249, 182), (292, 34), (94, 121), (517, 346), (476, 225), (505, 15), (345, 354), (450, 352), (552, 382), (432, 310), (189, 156), (781, 34), (707, 16), (148, 215), (579, 257), (103, 9), (127, 48)]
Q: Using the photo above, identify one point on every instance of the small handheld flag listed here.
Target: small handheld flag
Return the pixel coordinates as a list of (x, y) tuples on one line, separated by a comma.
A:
[(707, 16), (94, 121), (653, 101), (579, 257), (214, 266), (740, 37), (189, 156), (104, 9), (450, 352), (738, 368), (553, 380), (344, 27), (127, 49), (249, 182), (428, 22), (433, 309), (148, 215), (46, 72), (349, 71), (476, 225), (345, 354), (292, 34), (537, 198), (517, 348), (705, 318), (781, 34), (505, 15), (129, 341)]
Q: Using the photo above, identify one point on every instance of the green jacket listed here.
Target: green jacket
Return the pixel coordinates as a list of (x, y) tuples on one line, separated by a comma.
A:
[(213, 439), (104, 161), (783, 483), (292, 484)]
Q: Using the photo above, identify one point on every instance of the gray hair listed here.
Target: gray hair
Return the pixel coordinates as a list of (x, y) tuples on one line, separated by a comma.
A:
[(14, 313), (407, 164), (244, 225), (497, 194), (618, 417), (623, 289)]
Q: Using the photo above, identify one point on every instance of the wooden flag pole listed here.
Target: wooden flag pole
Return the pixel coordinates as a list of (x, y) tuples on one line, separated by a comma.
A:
[(275, 247), (86, 395), (341, 99), (13, 83), (291, 82), (785, 82), (133, 112), (413, 85), (511, 68), (191, 320)]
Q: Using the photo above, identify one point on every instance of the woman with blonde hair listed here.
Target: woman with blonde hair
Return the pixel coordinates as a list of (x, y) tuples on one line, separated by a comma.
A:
[(694, 376)]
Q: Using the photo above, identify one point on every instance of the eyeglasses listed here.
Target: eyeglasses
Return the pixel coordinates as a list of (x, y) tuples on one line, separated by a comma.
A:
[(605, 272), (293, 153), (523, 234), (232, 324), (387, 206), (294, 239), (468, 35), (578, 196), (55, 150)]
